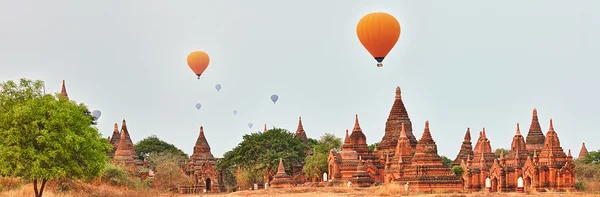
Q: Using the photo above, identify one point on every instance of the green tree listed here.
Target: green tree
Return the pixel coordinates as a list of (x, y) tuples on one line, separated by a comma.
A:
[(458, 171), (446, 161), (316, 164), (312, 142), (592, 157), (155, 159), (372, 146), (155, 145), (500, 151), (47, 137), (260, 152)]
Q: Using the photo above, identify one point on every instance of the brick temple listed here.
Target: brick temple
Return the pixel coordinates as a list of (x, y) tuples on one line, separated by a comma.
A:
[(538, 159), (202, 167), (123, 153), (550, 168)]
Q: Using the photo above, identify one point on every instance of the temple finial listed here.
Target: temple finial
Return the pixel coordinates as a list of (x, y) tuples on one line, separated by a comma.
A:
[(518, 129), (398, 92), (551, 125)]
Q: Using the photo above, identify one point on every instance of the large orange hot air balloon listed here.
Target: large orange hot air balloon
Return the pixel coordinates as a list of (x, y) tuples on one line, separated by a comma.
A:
[(378, 32), (198, 62)]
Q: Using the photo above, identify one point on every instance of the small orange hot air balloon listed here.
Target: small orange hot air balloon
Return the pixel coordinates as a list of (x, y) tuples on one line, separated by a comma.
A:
[(378, 32), (198, 62)]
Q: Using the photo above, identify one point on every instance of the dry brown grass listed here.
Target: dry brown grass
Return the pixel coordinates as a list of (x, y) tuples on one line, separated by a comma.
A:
[(82, 190), (384, 190)]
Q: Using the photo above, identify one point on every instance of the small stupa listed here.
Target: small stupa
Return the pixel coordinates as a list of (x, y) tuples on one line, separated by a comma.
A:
[(281, 179)]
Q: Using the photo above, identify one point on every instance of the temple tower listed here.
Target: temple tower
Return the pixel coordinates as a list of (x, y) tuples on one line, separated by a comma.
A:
[(398, 116)]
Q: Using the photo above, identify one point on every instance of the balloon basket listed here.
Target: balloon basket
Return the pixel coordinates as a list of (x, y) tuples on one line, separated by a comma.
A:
[(379, 64)]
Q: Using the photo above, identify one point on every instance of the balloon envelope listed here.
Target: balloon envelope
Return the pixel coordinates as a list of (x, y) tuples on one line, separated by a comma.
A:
[(234, 112), (250, 125), (274, 98), (198, 105), (198, 61), (218, 87), (378, 32), (97, 114)]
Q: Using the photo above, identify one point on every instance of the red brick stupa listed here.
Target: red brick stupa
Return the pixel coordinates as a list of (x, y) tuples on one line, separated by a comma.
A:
[(281, 179)]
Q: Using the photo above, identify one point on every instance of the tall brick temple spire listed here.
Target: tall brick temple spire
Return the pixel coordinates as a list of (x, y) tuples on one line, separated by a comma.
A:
[(398, 116), (202, 149), (300, 133), (583, 153), (535, 138), (466, 149), (63, 90)]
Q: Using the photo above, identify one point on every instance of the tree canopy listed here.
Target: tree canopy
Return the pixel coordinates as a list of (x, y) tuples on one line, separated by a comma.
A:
[(259, 152), (500, 151), (155, 145), (46, 136), (372, 146), (592, 157), (316, 164)]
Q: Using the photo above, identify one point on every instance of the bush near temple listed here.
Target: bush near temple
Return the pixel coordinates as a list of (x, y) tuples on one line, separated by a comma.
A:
[(259, 153)]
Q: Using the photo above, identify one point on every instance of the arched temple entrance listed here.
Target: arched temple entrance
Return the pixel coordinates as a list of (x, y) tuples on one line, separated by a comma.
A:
[(494, 185), (207, 184), (528, 183)]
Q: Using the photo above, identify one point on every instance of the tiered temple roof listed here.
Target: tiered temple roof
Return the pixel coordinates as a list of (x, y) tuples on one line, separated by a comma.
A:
[(517, 155), (281, 179), (63, 90), (404, 151), (115, 139), (202, 149), (300, 133), (125, 154), (466, 149), (361, 177), (483, 149), (535, 138), (583, 152), (552, 153), (398, 116), (426, 171)]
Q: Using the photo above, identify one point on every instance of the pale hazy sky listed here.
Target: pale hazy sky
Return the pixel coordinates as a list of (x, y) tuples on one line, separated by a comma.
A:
[(459, 63)]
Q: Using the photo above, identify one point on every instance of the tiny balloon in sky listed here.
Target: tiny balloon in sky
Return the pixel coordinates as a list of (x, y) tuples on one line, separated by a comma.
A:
[(97, 114), (234, 112), (250, 125), (198, 106), (274, 98), (218, 87)]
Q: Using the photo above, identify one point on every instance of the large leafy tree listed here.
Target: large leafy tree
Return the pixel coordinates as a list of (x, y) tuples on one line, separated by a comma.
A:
[(47, 137), (154, 145), (316, 164), (260, 152)]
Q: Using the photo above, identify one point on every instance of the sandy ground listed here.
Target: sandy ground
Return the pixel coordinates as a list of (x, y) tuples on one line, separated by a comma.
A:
[(346, 192)]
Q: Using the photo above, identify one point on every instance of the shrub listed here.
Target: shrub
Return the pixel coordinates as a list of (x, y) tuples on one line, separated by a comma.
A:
[(458, 171), (115, 176), (10, 183)]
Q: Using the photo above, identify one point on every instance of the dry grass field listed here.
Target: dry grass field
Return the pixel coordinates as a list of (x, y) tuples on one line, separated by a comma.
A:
[(86, 190)]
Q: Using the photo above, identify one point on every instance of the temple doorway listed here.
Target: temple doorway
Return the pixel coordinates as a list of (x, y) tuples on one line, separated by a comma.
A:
[(528, 183), (207, 184), (494, 185), (330, 174)]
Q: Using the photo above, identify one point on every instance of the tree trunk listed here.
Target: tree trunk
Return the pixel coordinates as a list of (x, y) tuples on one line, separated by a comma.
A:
[(40, 191)]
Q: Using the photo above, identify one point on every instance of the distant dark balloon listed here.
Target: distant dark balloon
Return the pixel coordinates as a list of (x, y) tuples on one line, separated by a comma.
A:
[(97, 114), (250, 125), (198, 105), (234, 112), (274, 98), (218, 87)]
